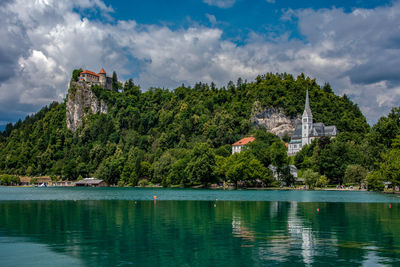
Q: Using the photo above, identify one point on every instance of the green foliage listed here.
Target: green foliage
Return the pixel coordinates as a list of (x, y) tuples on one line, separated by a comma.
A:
[(303, 158), (322, 181), (355, 174), (184, 136), (75, 74), (201, 166), (390, 166), (311, 178), (6, 179), (375, 181), (245, 167), (286, 176), (115, 83), (110, 169), (143, 183)]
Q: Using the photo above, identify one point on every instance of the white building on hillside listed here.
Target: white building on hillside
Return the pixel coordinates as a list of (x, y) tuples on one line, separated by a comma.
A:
[(307, 131), (238, 146)]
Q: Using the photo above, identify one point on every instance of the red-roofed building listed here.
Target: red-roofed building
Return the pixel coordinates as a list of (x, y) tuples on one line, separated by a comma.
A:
[(89, 76), (96, 78), (237, 147)]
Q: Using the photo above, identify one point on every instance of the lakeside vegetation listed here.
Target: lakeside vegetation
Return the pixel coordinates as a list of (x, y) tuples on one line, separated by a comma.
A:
[(183, 137)]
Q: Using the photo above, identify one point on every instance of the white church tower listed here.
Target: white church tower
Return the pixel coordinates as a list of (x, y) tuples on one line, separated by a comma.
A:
[(307, 123)]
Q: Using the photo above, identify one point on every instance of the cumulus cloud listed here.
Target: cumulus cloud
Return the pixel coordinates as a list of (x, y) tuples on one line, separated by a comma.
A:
[(220, 3), (357, 52), (367, 43)]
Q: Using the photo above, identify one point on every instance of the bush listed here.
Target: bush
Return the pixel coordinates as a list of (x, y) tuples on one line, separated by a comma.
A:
[(75, 74), (322, 181), (6, 179), (375, 181), (355, 174), (143, 183), (310, 178)]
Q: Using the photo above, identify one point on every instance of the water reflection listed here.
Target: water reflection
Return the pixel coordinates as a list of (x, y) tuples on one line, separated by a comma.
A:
[(300, 233), (204, 233)]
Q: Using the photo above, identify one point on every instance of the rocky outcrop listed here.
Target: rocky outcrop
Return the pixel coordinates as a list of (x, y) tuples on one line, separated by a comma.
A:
[(80, 102), (273, 120)]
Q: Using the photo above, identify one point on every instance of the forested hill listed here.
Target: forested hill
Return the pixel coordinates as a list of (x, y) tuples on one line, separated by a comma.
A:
[(150, 135)]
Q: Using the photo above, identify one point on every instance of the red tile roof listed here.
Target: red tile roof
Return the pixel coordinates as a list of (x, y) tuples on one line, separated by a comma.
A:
[(244, 141), (102, 71), (89, 72)]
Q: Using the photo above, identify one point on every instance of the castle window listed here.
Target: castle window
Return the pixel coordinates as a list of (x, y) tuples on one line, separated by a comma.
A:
[(305, 120)]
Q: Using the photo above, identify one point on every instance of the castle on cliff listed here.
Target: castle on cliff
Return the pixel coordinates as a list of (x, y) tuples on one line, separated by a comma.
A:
[(307, 131), (96, 78)]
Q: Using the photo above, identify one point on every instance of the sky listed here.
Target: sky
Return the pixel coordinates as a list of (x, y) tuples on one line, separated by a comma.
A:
[(354, 45)]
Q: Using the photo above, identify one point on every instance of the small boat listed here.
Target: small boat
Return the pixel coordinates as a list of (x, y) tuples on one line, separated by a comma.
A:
[(43, 185)]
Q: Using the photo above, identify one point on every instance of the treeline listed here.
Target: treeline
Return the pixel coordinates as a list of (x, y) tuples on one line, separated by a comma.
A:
[(183, 136)]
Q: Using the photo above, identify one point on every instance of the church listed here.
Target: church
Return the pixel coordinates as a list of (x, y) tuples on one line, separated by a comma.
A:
[(307, 131)]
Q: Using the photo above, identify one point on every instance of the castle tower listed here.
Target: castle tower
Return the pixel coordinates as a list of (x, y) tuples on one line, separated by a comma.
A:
[(102, 78), (307, 123)]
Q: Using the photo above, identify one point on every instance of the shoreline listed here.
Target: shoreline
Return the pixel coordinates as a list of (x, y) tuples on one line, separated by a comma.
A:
[(226, 188)]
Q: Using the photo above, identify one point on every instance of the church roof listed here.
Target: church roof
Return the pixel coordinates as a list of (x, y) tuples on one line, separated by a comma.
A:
[(318, 129), (307, 109), (102, 71), (244, 141), (330, 130), (297, 132)]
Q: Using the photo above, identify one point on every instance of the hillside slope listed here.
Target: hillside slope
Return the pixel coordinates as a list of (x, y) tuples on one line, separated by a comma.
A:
[(141, 128)]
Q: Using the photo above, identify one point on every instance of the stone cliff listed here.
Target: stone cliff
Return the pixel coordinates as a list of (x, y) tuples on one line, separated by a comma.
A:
[(273, 120), (81, 101)]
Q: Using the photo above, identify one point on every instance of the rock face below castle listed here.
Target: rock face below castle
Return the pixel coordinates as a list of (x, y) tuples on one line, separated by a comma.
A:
[(81, 101), (273, 120)]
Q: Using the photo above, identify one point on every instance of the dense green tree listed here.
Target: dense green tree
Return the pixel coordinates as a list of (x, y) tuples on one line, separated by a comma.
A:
[(110, 170), (375, 181), (75, 74), (244, 167), (286, 176), (304, 158), (6, 179), (322, 181), (390, 166), (355, 174), (201, 167), (334, 159), (162, 168), (310, 178), (115, 84)]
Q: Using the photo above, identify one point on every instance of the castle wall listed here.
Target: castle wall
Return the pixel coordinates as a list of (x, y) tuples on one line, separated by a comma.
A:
[(101, 79)]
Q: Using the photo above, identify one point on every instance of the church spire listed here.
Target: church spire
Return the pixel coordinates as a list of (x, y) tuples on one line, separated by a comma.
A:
[(307, 109)]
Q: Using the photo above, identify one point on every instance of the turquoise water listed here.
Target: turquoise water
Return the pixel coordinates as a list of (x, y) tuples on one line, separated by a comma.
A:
[(85, 193), (126, 227)]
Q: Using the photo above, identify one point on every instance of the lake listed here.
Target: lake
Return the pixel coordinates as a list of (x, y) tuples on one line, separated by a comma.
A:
[(189, 227)]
